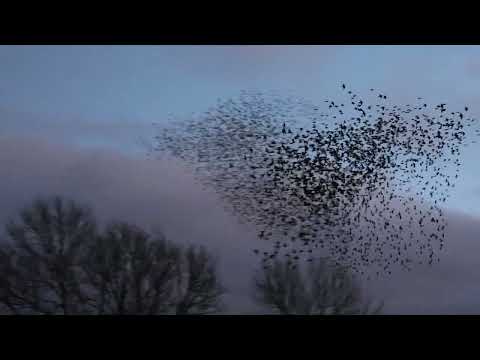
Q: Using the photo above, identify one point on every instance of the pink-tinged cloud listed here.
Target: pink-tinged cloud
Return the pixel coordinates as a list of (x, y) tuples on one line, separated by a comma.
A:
[(161, 194)]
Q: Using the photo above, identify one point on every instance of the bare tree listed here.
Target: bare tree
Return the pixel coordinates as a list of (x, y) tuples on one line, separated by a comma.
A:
[(57, 263), (40, 267), (319, 289), (200, 289), (130, 273)]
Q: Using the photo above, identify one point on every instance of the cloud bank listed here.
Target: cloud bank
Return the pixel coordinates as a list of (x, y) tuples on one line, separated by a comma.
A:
[(162, 194)]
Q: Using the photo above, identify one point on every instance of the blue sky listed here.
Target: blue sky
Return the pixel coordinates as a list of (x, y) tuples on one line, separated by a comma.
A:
[(107, 96)]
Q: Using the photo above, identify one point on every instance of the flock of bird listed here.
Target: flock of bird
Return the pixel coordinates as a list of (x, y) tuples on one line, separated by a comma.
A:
[(361, 182)]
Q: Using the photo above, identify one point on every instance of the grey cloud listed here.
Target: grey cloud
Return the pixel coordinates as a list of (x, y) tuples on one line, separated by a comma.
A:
[(161, 194), (119, 133), (153, 194), (450, 287)]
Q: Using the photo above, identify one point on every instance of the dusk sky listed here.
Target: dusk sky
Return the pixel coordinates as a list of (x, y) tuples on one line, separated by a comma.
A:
[(71, 118)]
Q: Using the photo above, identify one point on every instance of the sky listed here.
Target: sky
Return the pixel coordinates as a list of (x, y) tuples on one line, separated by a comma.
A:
[(71, 118)]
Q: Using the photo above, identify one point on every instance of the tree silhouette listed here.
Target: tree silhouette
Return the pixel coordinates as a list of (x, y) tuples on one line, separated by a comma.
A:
[(319, 289), (56, 262), (200, 289), (130, 273), (41, 265)]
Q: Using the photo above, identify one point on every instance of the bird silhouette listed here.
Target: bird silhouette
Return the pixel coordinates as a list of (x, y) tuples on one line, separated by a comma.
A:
[(365, 189)]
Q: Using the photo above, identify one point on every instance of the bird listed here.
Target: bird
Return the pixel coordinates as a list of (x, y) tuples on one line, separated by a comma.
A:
[(329, 187)]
